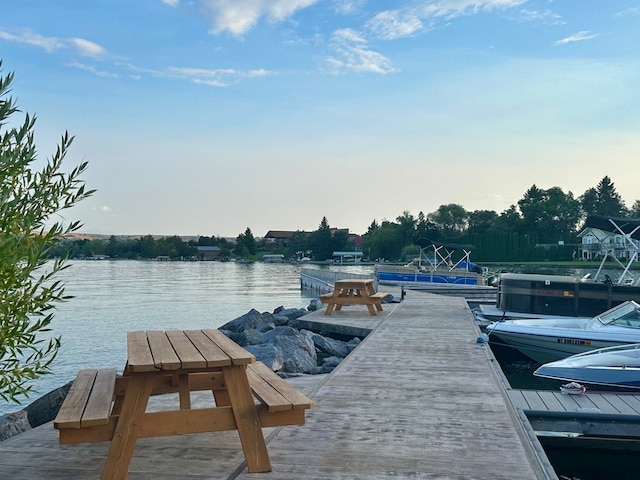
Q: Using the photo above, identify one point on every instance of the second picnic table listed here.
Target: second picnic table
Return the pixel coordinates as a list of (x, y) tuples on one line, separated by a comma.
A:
[(353, 291)]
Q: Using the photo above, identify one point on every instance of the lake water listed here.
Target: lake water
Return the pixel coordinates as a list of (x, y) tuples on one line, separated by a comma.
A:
[(114, 297)]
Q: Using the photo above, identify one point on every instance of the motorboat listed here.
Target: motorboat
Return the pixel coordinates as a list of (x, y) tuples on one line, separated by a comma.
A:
[(550, 339), (617, 366)]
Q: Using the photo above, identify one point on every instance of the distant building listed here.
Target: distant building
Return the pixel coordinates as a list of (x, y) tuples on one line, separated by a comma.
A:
[(208, 253), (277, 239), (597, 243)]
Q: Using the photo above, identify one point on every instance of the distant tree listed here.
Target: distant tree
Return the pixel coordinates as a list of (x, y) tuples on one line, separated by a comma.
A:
[(385, 242), (603, 200), (246, 243), (406, 227), (452, 220), (532, 209), (425, 229), (299, 244), (481, 221), (29, 289), (509, 221), (551, 214), (321, 241), (373, 227), (635, 209)]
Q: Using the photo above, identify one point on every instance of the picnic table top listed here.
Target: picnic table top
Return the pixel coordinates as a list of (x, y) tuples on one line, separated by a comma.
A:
[(161, 351)]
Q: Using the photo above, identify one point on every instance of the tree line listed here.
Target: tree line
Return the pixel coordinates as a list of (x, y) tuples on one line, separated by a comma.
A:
[(542, 225)]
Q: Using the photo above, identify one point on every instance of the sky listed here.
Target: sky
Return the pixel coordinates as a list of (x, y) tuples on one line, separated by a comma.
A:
[(207, 117)]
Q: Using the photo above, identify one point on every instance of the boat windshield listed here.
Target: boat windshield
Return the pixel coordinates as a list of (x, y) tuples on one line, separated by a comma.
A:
[(627, 314)]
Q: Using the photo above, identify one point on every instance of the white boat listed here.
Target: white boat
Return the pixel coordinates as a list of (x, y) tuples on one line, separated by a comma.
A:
[(547, 340), (611, 367)]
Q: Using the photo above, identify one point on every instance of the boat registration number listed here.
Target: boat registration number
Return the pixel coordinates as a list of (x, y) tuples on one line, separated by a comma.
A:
[(574, 341)]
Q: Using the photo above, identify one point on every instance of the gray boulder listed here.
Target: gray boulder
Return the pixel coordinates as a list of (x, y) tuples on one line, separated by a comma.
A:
[(14, 423), (330, 347), (292, 313), (251, 319), (353, 343), (268, 354), (330, 363), (250, 336), (298, 350)]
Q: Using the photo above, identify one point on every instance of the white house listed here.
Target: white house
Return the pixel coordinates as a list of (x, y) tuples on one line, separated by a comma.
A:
[(596, 243)]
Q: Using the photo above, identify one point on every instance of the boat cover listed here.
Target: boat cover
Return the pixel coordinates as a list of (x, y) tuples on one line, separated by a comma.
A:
[(608, 224), (425, 242)]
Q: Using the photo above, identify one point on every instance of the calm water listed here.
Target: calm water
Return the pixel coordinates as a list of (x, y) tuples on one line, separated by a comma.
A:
[(113, 297)]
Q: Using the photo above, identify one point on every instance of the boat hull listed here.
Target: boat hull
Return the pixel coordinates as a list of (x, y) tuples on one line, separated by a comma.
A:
[(617, 367)]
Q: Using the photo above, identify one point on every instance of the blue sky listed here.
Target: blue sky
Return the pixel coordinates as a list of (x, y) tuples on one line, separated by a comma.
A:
[(206, 117)]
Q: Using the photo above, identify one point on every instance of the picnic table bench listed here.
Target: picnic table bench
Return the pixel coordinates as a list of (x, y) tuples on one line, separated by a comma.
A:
[(354, 292), (101, 406)]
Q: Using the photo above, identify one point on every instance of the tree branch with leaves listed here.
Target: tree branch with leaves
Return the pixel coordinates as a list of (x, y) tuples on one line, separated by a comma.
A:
[(28, 286)]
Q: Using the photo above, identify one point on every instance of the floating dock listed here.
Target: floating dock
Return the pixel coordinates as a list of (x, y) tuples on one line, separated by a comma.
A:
[(418, 398)]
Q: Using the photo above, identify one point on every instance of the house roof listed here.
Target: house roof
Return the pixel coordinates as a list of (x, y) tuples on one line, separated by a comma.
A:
[(609, 224), (279, 234), (208, 249), (596, 232)]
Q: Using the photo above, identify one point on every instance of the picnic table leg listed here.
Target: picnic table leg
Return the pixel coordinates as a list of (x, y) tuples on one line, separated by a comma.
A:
[(247, 421), (372, 310), (330, 307), (125, 436)]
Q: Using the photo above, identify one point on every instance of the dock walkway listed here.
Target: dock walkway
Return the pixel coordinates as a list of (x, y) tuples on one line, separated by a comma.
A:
[(418, 398)]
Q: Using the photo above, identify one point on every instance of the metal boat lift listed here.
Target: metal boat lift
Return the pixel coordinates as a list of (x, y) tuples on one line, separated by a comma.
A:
[(439, 256), (629, 230)]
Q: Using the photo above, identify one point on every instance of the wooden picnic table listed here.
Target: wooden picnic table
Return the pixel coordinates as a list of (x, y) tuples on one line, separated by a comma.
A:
[(178, 361), (353, 292), (155, 353)]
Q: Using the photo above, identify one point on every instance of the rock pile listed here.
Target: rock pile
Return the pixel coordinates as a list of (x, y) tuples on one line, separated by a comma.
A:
[(275, 339)]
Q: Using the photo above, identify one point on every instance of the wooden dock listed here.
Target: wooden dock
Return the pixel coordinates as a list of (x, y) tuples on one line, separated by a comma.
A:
[(418, 398), (603, 414)]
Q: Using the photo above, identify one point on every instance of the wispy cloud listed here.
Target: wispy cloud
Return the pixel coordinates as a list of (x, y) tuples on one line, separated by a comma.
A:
[(393, 24), (171, 3), (628, 11), (239, 16), (352, 54), (576, 37), (350, 7), (92, 69), (449, 9), (541, 16), (420, 16), (221, 77), (80, 46)]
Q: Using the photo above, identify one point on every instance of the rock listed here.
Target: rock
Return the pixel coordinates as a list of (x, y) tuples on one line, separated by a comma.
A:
[(46, 408), (275, 339), (329, 346), (250, 336), (298, 351), (280, 320), (13, 424), (251, 319), (293, 313), (313, 305), (330, 363), (268, 354), (353, 343)]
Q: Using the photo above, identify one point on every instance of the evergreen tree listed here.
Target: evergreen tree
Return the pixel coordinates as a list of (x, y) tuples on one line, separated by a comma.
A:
[(603, 200)]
